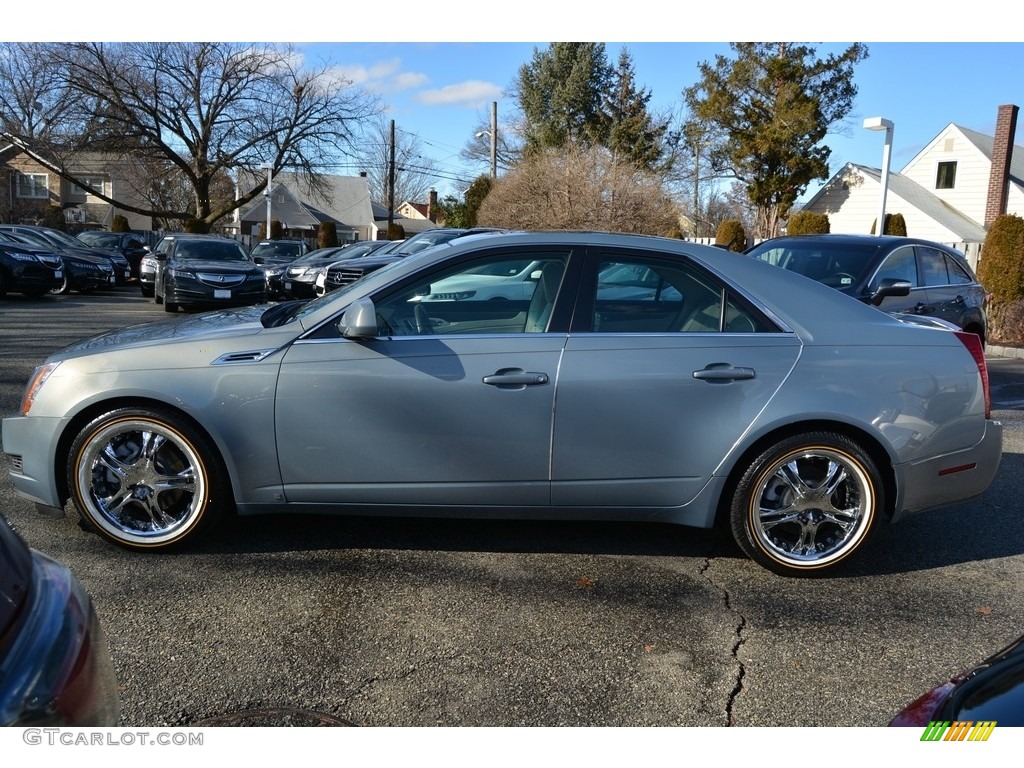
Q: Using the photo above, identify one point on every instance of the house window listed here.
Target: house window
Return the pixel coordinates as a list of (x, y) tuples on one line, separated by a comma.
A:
[(92, 183), (945, 178), (33, 185)]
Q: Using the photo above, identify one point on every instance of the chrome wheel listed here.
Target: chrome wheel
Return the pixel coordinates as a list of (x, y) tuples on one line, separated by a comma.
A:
[(806, 504), (145, 479)]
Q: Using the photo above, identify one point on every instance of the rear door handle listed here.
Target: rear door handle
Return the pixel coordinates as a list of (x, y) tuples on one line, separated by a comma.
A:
[(717, 372)]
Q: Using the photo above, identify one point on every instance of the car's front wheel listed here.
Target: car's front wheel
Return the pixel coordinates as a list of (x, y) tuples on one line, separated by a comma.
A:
[(806, 504), (146, 478)]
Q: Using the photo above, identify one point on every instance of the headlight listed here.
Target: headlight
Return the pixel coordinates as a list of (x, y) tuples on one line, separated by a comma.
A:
[(181, 274), (39, 377), (23, 256)]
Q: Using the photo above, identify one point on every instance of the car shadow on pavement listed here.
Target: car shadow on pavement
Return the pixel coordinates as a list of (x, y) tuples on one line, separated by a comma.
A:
[(280, 533)]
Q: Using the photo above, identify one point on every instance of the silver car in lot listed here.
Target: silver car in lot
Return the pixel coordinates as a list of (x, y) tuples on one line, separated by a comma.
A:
[(721, 391)]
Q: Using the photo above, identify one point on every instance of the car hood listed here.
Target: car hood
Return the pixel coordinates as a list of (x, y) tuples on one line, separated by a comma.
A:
[(213, 265), (241, 322)]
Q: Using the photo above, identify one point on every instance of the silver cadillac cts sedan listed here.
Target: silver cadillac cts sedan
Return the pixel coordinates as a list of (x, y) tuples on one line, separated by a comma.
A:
[(638, 378)]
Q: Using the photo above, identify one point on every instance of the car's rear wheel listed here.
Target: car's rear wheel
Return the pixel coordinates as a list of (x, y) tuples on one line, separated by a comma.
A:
[(147, 291), (806, 504), (147, 479)]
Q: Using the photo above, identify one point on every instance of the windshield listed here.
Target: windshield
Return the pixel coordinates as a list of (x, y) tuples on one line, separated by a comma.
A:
[(62, 237), (417, 243), (838, 265), (215, 250), (101, 239), (278, 250)]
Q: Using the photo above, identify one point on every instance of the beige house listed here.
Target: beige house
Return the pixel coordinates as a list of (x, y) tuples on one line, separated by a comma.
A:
[(33, 192), (950, 192)]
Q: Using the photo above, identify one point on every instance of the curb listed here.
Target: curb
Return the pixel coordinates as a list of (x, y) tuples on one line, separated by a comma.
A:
[(993, 350)]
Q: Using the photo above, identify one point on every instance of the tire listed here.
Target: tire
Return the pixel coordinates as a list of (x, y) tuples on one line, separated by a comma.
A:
[(806, 504), (5, 283), (147, 479), (158, 298), (147, 291), (169, 307), (65, 287)]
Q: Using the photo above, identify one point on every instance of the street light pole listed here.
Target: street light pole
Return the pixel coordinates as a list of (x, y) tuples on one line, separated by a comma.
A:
[(266, 193), (882, 124)]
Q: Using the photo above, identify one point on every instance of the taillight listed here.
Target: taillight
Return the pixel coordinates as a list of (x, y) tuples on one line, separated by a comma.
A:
[(973, 343)]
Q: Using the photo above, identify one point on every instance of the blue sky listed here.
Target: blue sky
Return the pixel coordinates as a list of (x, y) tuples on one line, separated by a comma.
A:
[(441, 92)]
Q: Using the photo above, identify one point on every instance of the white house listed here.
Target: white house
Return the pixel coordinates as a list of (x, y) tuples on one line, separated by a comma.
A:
[(950, 192)]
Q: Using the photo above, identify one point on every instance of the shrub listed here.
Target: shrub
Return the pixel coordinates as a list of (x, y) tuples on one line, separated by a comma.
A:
[(276, 230), (731, 235), (396, 231), (895, 224), (327, 235), (120, 224), (1001, 271), (808, 223)]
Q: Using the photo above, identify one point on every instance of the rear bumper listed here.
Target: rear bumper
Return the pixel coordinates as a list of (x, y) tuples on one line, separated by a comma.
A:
[(950, 479)]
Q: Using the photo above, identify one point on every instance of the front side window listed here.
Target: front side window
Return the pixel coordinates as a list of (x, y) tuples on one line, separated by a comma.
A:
[(899, 265), (945, 176), (33, 185), (649, 295), (502, 293)]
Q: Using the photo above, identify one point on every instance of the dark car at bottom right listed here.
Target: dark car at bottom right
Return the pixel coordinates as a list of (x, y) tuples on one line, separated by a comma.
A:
[(896, 274)]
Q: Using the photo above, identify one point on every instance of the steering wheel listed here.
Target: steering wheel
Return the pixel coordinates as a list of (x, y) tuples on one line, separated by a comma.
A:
[(423, 325)]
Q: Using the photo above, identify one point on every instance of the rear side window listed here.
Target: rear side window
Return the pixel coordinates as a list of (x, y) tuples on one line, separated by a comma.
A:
[(649, 295), (899, 265)]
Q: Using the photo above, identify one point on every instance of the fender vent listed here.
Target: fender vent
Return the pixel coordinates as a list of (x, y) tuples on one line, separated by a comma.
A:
[(252, 356)]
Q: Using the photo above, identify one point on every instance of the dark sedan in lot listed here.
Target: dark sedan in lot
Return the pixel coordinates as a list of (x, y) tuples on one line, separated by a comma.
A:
[(724, 392), (63, 243), (875, 270), (299, 279), (55, 668), (27, 269), (206, 271), (346, 272), (127, 244)]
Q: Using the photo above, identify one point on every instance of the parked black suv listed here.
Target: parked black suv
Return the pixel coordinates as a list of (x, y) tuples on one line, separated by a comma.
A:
[(896, 274)]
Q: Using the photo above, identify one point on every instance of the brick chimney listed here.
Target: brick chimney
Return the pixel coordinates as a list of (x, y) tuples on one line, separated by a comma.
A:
[(432, 206), (1002, 155)]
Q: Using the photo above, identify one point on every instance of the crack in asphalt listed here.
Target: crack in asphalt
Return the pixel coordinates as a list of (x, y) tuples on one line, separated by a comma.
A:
[(741, 670)]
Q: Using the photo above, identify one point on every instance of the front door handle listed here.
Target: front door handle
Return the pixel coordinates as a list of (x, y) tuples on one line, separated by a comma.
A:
[(516, 378)]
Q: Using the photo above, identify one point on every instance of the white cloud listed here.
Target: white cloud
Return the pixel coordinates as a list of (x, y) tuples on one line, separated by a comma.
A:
[(471, 93), (383, 76)]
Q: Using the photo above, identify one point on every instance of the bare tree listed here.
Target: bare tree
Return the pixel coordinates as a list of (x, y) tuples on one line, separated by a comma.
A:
[(36, 97), (415, 173), (209, 110), (579, 188)]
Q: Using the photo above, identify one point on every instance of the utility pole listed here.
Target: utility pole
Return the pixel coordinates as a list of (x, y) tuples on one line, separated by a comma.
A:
[(391, 180), (494, 140)]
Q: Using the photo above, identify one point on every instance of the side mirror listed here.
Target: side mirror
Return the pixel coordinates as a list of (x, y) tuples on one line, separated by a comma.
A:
[(359, 321), (889, 286), (161, 256)]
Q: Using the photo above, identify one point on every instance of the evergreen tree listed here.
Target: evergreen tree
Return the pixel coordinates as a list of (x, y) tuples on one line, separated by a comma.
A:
[(560, 93), (634, 136), (775, 103)]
